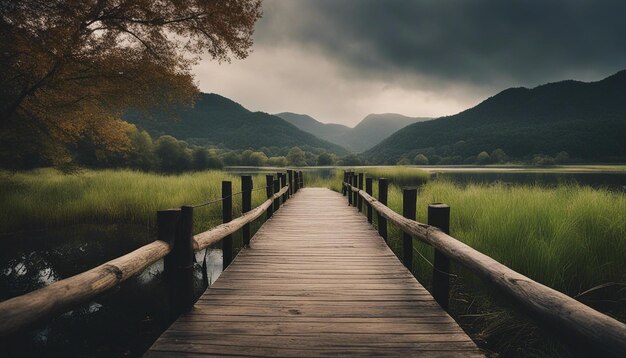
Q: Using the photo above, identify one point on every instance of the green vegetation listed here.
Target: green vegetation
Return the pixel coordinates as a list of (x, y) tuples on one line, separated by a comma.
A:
[(49, 198), (571, 238), (587, 121), (219, 121)]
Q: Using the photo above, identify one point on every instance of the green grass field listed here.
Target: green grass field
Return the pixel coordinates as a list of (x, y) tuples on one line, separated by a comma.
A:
[(48, 198)]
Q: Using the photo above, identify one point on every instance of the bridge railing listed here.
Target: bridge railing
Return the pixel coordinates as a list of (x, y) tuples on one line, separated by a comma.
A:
[(546, 304), (175, 244)]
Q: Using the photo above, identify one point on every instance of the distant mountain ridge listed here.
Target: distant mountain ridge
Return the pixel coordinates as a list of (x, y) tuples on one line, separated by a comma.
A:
[(217, 120), (367, 133), (585, 119)]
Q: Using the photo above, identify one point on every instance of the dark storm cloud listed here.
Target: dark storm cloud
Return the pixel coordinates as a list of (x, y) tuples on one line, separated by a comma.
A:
[(483, 43)]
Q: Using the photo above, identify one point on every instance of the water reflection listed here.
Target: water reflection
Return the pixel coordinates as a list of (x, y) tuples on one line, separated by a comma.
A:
[(121, 323)]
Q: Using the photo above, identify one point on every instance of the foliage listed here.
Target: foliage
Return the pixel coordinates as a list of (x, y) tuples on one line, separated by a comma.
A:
[(48, 198), (404, 161), (351, 159), (325, 159), (218, 121), (587, 120), (483, 158), (420, 159), (498, 156), (296, 157), (562, 157), (543, 160), (68, 69), (277, 161), (173, 156)]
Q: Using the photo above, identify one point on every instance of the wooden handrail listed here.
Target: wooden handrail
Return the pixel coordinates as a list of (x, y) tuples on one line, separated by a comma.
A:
[(217, 233), (22, 311), (61, 296), (546, 303)]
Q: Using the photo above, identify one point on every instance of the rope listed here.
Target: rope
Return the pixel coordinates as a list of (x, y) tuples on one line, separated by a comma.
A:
[(433, 266), (213, 201)]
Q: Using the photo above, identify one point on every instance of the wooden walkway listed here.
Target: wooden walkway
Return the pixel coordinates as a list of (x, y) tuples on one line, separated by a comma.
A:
[(318, 280)]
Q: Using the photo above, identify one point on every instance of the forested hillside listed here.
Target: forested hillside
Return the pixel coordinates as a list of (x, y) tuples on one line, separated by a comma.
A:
[(586, 121), (216, 120)]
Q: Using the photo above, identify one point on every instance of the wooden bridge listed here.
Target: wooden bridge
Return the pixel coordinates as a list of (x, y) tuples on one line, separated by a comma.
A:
[(315, 280)]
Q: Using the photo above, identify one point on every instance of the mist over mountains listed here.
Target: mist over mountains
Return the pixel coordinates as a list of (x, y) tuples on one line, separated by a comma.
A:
[(585, 119), (367, 133)]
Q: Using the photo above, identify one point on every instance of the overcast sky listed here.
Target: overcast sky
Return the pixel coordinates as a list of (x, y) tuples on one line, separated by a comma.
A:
[(339, 60)]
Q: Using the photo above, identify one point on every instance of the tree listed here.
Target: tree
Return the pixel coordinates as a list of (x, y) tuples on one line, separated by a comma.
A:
[(72, 67), (498, 156), (420, 159), (562, 157), (296, 157), (142, 154), (543, 160), (277, 161), (404, 161), (172, 154), (351, 159), (483, 158), (204, 159), (325, 159)]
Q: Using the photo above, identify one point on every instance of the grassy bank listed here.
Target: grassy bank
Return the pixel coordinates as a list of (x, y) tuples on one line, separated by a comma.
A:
[(48, 198)]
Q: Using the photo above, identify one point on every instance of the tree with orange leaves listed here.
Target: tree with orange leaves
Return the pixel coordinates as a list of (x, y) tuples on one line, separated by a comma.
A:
[(70, 68)]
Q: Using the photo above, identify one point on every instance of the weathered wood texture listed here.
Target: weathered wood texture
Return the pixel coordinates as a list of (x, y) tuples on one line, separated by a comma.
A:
[(56, 298), (317, 280), (38, 306), (574, 319)]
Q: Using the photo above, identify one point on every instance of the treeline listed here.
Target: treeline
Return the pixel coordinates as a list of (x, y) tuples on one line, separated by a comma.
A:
[(446, 156), (164, 154)]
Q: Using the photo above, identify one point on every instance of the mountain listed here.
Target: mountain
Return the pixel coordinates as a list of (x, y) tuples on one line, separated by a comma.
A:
[(374, 128), (369, 132), (220, 121), (585, 119), (328, 131)]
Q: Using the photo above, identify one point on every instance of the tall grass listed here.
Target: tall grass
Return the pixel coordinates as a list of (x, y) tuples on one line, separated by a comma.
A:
[(49, 198), (571, 238)]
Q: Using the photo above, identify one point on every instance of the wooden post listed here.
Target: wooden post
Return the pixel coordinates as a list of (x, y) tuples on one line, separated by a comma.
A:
[(167, 222), (283, 183), (296, 181), (301, 176), (409, 200), (359, 199), (439, 216), (181, 287), (343, 185), (246, 205), (227, 216), (355, 195), (269, 190), (348, 191), (368, 189), (383, 185), (276, 190), (290, 175)]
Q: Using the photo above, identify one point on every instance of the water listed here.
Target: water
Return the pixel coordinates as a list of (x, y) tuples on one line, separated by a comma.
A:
[(121, 323), (611, 180)]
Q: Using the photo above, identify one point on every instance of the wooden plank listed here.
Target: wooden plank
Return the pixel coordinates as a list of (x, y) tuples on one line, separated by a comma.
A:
[(317, 280), (594, 329)]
